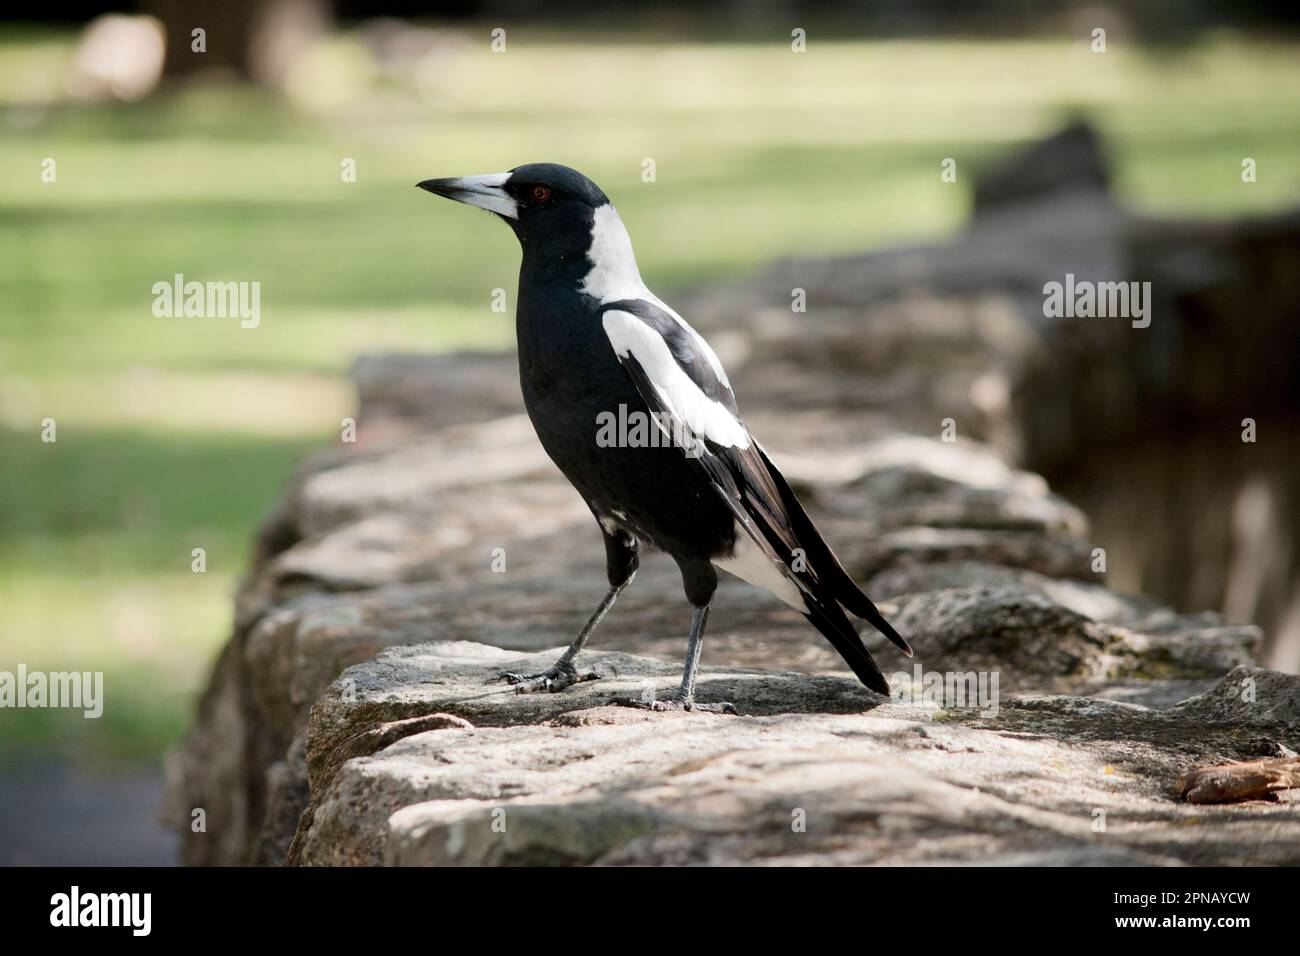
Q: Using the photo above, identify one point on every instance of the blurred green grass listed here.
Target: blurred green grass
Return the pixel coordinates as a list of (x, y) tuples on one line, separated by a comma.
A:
[(177, 433)]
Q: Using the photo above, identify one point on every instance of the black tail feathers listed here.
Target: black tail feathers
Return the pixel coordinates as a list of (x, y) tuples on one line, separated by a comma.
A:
[(836, 627)]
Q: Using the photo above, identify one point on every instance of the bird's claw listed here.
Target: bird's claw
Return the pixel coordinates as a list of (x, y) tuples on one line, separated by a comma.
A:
[(551, 681), (676, 702)]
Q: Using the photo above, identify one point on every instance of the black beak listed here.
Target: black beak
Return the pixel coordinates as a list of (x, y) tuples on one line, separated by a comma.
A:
[(439, 187)]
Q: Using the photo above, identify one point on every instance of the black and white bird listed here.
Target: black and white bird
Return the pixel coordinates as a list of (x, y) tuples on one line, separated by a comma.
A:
[(593, 338)]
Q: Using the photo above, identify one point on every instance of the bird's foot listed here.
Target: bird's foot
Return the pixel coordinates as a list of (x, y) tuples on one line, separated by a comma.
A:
[(562, 675), (676, 702)]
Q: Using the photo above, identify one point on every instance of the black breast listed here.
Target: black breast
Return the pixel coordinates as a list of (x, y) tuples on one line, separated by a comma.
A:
[(569, 376)]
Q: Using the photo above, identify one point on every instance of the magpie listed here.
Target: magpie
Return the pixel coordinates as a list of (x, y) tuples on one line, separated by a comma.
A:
[(594, 342)]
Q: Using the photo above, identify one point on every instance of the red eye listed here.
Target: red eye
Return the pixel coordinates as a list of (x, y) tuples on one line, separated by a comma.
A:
[(541, 193)]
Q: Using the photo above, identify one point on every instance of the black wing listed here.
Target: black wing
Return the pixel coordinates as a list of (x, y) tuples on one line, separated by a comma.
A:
[(764, 505)]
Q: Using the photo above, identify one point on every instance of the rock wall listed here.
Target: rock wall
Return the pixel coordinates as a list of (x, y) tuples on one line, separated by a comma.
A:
[(352, 718)]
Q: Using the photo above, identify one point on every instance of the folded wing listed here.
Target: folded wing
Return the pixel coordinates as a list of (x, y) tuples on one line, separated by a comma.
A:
[(681, 380)]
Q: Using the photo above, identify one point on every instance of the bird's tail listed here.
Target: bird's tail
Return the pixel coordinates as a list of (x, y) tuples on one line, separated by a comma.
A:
[(830, 573), (838, 629), (853, 598)]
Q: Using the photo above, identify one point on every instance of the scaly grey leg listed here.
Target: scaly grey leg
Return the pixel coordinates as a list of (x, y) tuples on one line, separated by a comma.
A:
[(562, 673), (684, 699)]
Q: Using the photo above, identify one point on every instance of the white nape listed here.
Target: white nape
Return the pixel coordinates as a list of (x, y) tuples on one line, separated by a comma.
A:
[(614, 274), (614, 277)]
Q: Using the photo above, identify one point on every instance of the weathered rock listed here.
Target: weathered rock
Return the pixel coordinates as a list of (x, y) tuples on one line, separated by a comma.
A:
[(397, 561), (814, 769)]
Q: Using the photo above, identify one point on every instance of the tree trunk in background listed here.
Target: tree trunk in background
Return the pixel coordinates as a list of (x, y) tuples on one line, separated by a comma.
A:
[(256, 40), (1146, 432)]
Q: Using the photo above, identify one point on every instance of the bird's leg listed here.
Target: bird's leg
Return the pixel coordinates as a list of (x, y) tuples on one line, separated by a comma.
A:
[(684, 699), (562, 673)]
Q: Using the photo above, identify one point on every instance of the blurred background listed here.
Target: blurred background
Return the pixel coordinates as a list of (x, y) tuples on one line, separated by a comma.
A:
[(229, 164)]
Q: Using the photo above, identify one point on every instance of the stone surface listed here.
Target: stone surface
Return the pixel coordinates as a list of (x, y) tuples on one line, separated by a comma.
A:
[(815, 769), (444, 547)]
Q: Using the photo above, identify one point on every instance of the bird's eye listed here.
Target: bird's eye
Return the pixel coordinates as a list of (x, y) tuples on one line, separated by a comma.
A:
[(541, 193)]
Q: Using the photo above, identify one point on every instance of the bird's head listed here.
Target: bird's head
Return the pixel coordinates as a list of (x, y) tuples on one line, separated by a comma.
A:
[(544, 203)]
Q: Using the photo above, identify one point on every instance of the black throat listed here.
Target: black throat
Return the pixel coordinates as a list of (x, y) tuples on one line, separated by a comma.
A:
[(555, 246)]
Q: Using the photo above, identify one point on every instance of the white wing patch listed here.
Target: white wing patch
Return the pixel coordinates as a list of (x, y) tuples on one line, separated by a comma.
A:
[(682, 398), (705, 349)]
